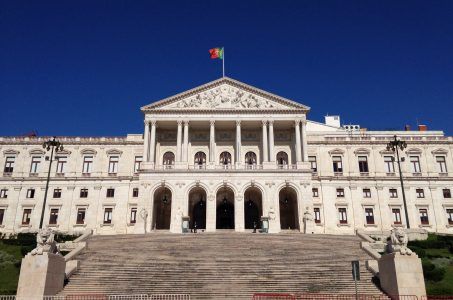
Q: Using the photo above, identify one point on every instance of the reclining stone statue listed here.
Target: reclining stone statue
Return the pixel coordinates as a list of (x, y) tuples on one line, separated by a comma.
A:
[(398, 242), (45, 243)]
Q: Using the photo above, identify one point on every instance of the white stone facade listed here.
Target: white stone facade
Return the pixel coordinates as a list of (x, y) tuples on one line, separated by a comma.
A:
[(224, 154)]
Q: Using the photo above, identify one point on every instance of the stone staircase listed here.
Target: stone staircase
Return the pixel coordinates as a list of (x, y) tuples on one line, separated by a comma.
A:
[(221, 265)]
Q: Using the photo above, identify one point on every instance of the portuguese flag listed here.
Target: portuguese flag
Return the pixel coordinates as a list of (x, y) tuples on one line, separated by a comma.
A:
[(216, 53)]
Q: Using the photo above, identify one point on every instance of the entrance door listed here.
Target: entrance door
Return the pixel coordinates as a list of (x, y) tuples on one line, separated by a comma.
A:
[(252, 208), (225, 215)]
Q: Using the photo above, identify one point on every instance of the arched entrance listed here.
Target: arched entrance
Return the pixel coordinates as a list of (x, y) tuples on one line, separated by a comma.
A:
[(253, 208), (289, 217), (197, 208), (225, 209), (162, 208)]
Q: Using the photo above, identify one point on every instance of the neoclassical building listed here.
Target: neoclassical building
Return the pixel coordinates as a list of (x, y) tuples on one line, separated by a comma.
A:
[(223, 155)]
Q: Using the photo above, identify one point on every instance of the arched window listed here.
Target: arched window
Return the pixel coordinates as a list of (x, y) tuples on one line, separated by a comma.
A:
[(250, 160), (225, 159), (200, 160), (168, 160), (282, 160)]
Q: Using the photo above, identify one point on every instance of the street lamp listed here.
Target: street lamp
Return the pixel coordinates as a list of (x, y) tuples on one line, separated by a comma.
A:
[(49, 145), (394, 146)]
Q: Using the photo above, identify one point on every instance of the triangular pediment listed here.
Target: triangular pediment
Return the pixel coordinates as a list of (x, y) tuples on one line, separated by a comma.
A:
[(225, 94)]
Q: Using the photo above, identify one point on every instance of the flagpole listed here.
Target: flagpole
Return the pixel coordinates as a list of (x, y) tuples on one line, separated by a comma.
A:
[(223, 62)]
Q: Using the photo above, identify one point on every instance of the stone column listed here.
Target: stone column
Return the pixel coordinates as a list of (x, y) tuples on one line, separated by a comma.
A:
[(239, 213), (211, 213), (265, 145), (146, 143), (152, 149), (185, 148), (238, 142), (298, 146), (212, 142), (304, 141), (178, 141), (271, 141)]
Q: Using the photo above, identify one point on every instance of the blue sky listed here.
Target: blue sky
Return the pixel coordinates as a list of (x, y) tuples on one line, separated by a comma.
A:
[(86, 67)]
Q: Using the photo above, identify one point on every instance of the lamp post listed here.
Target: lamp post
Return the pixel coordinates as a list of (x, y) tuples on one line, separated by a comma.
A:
[(393, 146), (52, 145)]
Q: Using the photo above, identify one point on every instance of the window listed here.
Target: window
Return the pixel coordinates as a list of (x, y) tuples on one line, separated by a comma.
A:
[(449, 216), (2, 215), (415, 163), (389, 164), (393, 193), (137, 163), (366, 193), (250, 159), (342, 215), (337, 164), (420, 193), (3, 193), (447, 193), (169, 160), (57, 193), (108, 215), (110, 193), (313, 163), (369, 216), (113, 164), (315, 192), (53, 216), (135, 192), (317, 212), (282, 159), (87, 164), (423, 212), (441, 163), (363, 164), (83, 193), (35, 161), (225, 158), (81, 216), (133, 215), (61, 163), (200, 159), (30, 193), (396, 212), (340, 193), (9, 164), (26, 216)]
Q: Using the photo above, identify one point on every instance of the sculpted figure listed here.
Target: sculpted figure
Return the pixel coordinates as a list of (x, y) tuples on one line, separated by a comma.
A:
[(271, 214), (398, 242), (45, 243), (308, 221)]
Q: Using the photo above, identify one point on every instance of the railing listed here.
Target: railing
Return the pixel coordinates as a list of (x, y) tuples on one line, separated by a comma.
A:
[(97, 296), (316, 296)]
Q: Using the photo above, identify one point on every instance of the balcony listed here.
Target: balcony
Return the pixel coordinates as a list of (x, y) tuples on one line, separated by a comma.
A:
[(33, 174), (7, 174), (364, 174)]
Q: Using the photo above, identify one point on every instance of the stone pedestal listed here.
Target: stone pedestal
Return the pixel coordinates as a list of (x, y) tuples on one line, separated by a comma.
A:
[(41, 275), (402, 275)]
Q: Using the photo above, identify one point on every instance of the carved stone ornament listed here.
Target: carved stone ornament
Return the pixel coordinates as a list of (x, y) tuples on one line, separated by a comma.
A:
[(45, 240), (398, 242), (225, 97)]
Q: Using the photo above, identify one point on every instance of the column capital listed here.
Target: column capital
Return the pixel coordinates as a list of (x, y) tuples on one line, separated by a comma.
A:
[(153, 122), (238, 122), (271, 122), (264, 122), (212, 122), (186, 122), (179, 122), (303, 122), (146, 122), (297, 122)]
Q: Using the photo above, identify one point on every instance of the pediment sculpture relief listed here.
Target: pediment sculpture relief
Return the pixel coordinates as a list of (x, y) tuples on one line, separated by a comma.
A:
[(225, 97)]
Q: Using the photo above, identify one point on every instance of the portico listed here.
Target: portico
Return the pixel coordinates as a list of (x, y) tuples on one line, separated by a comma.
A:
[(229, 140)]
